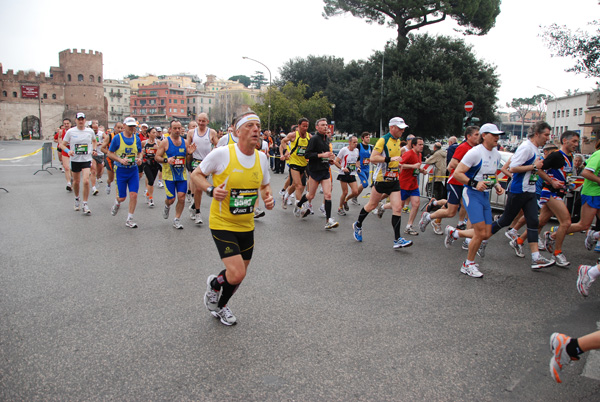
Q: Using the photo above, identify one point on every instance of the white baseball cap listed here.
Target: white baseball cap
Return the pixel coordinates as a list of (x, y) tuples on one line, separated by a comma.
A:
[(80, 115), (130, 121), (490, 128), (398, 122), (144, 125)]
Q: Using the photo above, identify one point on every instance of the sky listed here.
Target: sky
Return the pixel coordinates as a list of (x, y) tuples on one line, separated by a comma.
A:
[(211, 37)]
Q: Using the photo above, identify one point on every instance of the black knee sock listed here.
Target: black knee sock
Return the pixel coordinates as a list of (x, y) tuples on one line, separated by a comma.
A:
[(302, 201), (328, 209), (361, 217), (573, 349), (396, 223), (227, 291), (218, 281)]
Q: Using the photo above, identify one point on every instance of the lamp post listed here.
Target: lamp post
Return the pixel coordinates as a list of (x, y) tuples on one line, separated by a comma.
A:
[(555, 108), (269, 121)]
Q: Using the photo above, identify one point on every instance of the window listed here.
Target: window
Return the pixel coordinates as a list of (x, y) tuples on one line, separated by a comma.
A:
[(125, 91), (91, 78), (580, 111), (134, 103), (554, 115), (153, 101), (45, 96), (112, 108), (182, 110), (182, 102), (14, 94), (170, 100), (562, 114), (143, 92), (210, 101), (201, 100), (99, 80), (142, 102), (194, 109), (162, 102), (575, 112), (53, 96), (4, 94), (201, 109), (69, 77), (80, 77), (167, 91), (568, 112), (152, 93)]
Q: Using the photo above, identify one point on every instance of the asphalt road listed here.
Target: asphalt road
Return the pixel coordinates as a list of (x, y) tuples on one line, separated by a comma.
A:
[(93, 310)]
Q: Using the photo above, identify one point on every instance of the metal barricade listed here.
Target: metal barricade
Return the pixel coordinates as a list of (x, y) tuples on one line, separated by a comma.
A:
[(46, 158)]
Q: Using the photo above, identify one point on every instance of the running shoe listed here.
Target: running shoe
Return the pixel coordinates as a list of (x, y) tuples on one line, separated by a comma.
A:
[(69, 187), (427, 207), (160, 184), (411, 231), (511, 234), (481, 251), (108, 190), (177, 224), (561, 260), (151, 202), (406, 210), (357, 232), (462, 225), (424, 221), (541, 262), (310, 208), (518, 248), (192, 212), (198, 220), (297, 211), (465, 245), (99, 180), (322, 209), (211, 297), (225, 315), (166, 210), (589, 239), (115, 209), (304, 210), (258, 213), (549, 242), (130, 224), (381, 210), (284, 201), (341, 212), (597, 248), (437, 228), (584, 280), (560, 357), (355, 201), (541, 244), (331, 224), (346, 207), (76, 205), (94, 190), (471, 269), (86, 210), (401, 243), (188, 197), (449, 239)]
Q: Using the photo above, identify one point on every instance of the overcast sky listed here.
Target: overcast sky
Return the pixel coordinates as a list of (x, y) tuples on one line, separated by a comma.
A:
[(210, 37)]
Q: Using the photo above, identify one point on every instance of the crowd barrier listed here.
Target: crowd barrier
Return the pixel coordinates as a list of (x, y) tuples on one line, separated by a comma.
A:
[(46, 158)]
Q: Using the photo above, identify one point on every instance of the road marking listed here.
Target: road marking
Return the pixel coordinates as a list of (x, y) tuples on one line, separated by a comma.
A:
[(22, 156)]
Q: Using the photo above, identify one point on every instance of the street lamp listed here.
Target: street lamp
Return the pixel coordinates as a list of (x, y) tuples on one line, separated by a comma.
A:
[(269, 121)]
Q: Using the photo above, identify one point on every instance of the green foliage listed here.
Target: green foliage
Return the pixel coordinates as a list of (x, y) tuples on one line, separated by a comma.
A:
[(580, 45), (427, 84), (132, 77), (258, 80), (243, 79), (477, 17), (290, 103)]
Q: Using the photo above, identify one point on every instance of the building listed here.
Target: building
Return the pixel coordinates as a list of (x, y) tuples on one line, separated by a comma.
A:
[(567, 113), (591, 124), (34, 105), (200, 102), (117, 94), (232, 98), (159, 103)]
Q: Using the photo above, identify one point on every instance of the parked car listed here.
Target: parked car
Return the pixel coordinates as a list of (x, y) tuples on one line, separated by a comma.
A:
[(337, 146)]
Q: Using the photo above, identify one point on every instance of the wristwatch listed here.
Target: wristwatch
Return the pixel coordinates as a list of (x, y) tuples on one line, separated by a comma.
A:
[(209, 191)]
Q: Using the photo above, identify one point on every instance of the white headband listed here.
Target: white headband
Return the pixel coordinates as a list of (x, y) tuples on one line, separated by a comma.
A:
[(246, 119)]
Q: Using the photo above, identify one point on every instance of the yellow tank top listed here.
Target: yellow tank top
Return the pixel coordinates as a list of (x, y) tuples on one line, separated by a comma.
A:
[(236, 212), (126, 151), (387, 146), (298, 149)]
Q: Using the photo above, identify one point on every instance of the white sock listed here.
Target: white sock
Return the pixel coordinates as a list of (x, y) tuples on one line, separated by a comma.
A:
[(469, 262), (594, 273), (455, 234), (117, 202), (535, 256), (596, 235), (129, 217), (468, 240)]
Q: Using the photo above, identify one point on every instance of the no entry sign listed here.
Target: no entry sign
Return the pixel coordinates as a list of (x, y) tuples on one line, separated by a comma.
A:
[(469, 106)]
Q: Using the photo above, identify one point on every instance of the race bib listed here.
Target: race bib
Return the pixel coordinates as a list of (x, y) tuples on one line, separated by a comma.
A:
[(391, 175), (195, 163), (351, 167), (366, 161), (241, 201), (490, 180), (179, 161), (533, 178), (151, 151), (81, 149), (301, 151), (416, 172)]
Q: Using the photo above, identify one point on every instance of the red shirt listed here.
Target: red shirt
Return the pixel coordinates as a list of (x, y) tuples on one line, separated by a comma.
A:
[(408, 179), (460, 152), (62, 136)]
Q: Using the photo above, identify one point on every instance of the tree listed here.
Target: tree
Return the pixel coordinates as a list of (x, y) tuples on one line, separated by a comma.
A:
[(291, 102), (258, 80), (580, 45), (243, 79), (132, 77), (522, 107), (476, 16)]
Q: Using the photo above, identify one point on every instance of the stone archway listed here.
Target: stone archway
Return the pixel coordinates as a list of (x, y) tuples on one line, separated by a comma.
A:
[(30, 127)]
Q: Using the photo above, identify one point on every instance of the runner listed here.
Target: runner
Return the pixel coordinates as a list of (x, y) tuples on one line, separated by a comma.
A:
[(386, 156), (364, 162), (410, 167), (66, 162), (174, 171), (239, 173), (125, 150), (204, 138), (98, 158), (80, 144), (319, 156), (566, 349), (150, 166), (477, 172), (159, 137), (346, 160), (263, 146), (295, 155), (110, 167)]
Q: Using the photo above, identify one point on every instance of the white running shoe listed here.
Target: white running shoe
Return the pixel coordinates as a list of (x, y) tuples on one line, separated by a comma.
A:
[(77, 204), (192, 212), (131, 224), (589, 239), (160, 184), (151, 202), (584, 280), (425, 219), (198, 220), (211, 297), (225, 315), (449, 238), (115, 209), (108, 190), (511, 234), (86, 210), (258, 213), (94, 190), (177, 224), (331, 224), (166, 212), (471, 269)]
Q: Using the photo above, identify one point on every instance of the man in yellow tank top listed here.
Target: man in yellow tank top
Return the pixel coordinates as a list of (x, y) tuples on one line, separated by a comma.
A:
[(240, 172), (297, 141)]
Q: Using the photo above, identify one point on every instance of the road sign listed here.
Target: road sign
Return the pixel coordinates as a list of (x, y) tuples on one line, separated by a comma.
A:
[(469, 106)]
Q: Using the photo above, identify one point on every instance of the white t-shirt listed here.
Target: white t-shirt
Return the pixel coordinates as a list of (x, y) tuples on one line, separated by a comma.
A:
[(80, 141), (348, 160), (483, 164), (217, 161), (99, 139), (526, 154)]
